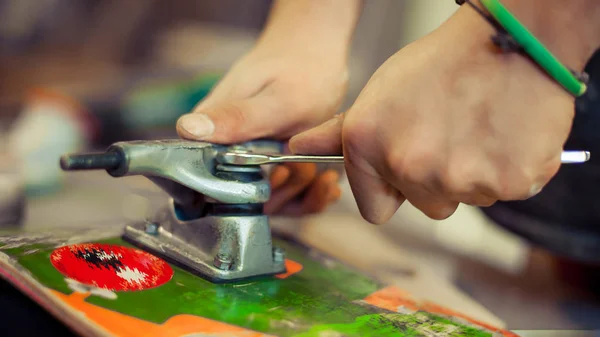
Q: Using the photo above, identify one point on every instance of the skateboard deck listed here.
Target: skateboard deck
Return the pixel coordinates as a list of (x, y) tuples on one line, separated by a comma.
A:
[(100, 285)]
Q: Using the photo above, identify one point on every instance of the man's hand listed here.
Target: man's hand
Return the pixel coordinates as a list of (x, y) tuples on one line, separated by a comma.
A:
[(268, 93), (450, 120), (294, 78)]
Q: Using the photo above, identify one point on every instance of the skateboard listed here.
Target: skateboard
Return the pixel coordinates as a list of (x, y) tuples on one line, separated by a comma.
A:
[(207, 264)]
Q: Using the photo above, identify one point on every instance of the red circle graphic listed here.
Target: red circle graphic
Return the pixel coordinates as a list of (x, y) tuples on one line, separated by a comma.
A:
[(111, 267)]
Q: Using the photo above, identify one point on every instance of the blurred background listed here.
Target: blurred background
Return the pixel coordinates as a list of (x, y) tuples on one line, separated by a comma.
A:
[(79, 75)]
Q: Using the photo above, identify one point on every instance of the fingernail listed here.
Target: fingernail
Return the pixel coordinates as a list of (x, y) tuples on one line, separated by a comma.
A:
[(197, 125), (535, 190)]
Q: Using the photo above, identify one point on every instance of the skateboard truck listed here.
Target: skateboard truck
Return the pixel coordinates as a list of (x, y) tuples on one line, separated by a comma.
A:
[(214, 224)]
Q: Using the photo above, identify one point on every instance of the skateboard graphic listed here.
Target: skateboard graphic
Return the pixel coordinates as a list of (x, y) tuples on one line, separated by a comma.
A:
[(206, 264)]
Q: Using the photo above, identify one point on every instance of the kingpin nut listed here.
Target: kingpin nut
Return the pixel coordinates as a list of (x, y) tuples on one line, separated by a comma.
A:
[(278, 254), (223, 261)]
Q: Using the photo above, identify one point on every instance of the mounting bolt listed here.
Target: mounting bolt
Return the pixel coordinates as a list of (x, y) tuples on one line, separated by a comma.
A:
[(151, 228), (223, 261), (238, 149), (278, 254)]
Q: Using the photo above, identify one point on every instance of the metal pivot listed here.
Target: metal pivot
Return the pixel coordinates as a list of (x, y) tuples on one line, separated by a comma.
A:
[(219, 248), (213, 225)]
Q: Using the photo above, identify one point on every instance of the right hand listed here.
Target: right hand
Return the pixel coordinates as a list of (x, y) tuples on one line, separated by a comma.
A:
[(276, 92), (438, 125)]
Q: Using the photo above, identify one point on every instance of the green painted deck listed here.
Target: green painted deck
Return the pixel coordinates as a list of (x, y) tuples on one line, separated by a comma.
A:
[(323, 299)]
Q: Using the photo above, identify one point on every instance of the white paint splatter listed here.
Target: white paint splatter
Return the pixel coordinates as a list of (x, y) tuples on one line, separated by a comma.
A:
[(56, 256), (76, 286), (30, 251), (79, 287), (132, 275), (104, 256), (105, 293)]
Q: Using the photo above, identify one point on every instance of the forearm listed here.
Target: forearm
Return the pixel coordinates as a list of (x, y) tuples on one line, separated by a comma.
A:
[(312, 25), (570, 29)]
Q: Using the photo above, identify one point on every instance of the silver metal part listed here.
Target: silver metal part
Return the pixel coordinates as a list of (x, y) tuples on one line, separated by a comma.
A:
[(187, 163), (219, 248), (151, 228), (574, 157), (278, 254), (219, 191), (236, 168), (225, 236), (223, 261), (251, 159)]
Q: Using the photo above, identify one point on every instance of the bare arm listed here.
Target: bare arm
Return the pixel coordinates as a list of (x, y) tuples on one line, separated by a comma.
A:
[(315, 25)]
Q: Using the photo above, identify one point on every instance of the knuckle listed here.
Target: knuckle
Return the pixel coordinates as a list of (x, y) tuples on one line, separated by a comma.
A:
[(504, 189), (440, 214), (483, 202), (437, 210), (413, 167), (515, 184), (478, 200), (377, 215), (538, 180), (372, 218), (459, 177), (451, 182), (551, 169)]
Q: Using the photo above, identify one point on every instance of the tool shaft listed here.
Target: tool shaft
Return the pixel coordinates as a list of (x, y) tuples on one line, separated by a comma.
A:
[(306, 159), (574, 157), (249, 159)]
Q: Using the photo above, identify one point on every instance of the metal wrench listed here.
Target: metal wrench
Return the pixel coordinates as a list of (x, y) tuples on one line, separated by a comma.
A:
[(253, 159)]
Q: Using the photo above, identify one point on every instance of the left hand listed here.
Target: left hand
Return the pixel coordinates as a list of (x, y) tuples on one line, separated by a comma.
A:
[(275, 92)]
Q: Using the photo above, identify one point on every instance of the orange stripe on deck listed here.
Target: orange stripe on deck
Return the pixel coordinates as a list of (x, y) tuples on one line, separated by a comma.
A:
[(437, 309), (292, 267), (125, 326), (393, 298)]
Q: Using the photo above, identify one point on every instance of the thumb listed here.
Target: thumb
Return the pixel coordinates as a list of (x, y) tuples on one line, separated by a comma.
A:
[(377, 200), (325, 139), (232, 122)]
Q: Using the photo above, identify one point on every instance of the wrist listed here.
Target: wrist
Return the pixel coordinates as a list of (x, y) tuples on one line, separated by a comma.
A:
[(319, 28), (568, 30), (467, 43)]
